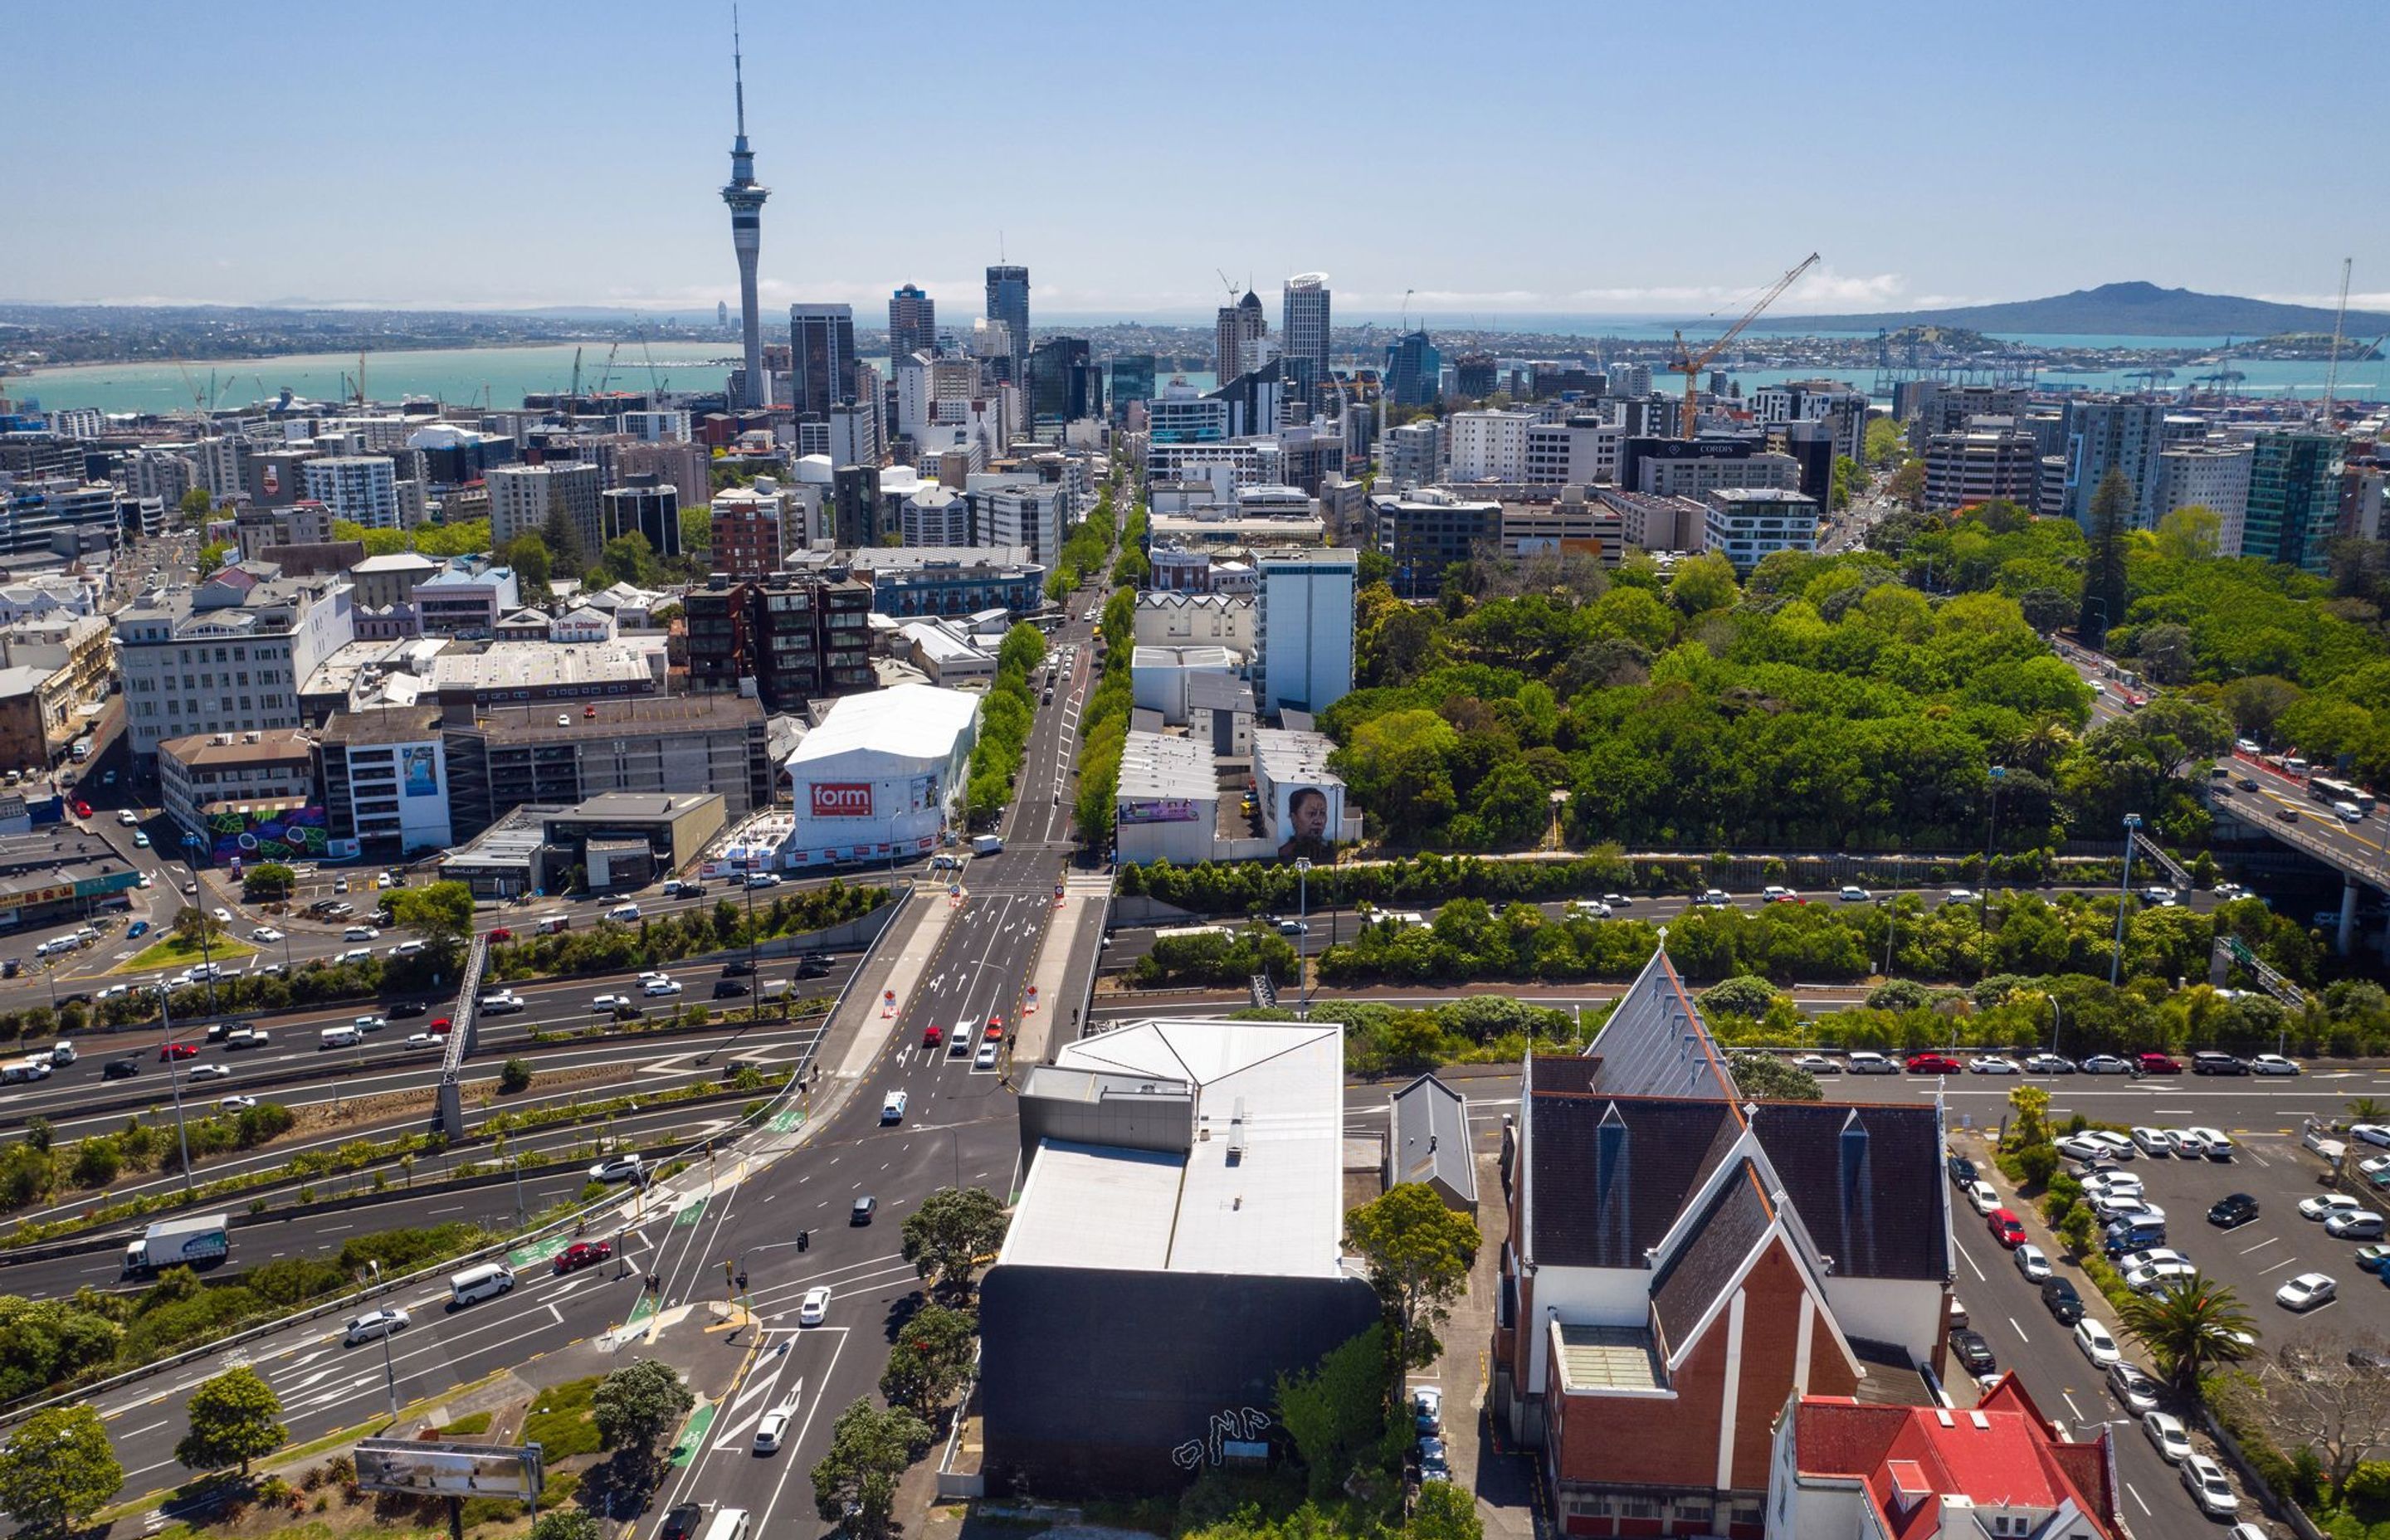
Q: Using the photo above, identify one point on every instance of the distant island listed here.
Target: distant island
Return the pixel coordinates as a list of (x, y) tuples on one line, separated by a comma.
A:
[(2114, 309)]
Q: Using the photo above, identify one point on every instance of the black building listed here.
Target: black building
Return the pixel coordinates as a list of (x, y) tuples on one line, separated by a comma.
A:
[(646, 505)]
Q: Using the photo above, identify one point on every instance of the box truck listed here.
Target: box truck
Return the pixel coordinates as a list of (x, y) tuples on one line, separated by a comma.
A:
[(179, 1243)]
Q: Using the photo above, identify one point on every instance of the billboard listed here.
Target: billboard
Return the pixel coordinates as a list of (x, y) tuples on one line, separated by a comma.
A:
[(1160, 810), (1307, 816), (266, 834), (421, 776), (842, 799), (440, 1469)]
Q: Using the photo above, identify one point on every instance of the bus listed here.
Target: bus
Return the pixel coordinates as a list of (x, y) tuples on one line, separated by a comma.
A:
[(2323, 789), (1181, 931)]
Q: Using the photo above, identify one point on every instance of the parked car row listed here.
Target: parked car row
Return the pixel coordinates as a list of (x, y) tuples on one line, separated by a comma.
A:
[(1931, 1061)]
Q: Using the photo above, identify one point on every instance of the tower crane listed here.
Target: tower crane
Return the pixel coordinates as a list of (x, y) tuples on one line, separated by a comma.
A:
[(607, 374), (2339, 325), (1691, 363), (1227, 283)]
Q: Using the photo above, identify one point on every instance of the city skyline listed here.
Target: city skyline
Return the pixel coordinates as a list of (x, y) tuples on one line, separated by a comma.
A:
[(458, 218)]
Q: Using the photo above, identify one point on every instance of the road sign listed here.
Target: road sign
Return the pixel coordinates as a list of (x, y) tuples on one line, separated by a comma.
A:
[(888, 1003), (449, 1469), (1029, 1006)]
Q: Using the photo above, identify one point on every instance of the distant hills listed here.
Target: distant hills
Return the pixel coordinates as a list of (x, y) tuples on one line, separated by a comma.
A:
[(2114, 309)]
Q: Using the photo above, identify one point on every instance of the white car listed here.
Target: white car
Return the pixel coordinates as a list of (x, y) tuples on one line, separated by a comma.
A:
[(1982, 1195), (2203, 1478), (210, 1072), (814, 1308), (128, 817), (2119, 1145), (266, 933), (610, 1002), (2307, 1292), (2031, 1261), (2188, 1142), (2168, 1436), (773, 1428), (113, 992), (505, 1001), (361, 932), (623, 913), (2158, 1276), (892, 1108), (2371, 1133), (1993, 1064), (2132, 1385), (419, 1041), (2154, 1141), (986, 1057), (223, 915), (2219, 1145), (2135, 1261), (660, 986), (407, 949), (238, 1104), (373, 1324), (2113, 1184), (370, 1023), (1964, 895), (2094, 1342), (2325, 1205), (2272, 1064), (2083, 1146)]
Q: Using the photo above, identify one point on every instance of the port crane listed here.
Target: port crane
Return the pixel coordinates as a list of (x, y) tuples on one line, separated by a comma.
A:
[(1691, 363)]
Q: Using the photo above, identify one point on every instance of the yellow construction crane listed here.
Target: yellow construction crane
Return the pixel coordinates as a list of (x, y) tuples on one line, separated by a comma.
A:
[(1690, 364)]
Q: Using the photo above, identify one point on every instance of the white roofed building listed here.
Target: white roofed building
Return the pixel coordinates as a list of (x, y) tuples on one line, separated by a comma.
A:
[(883, 775)]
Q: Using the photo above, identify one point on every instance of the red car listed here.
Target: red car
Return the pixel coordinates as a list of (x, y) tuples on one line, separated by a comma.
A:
[(580, 1253), (1932, 1064), (178, 1050), (82, 810), (441, 1025), (501, 933), (932, 1035), (2005, 1229), (994, 1032), (2157, 1064)]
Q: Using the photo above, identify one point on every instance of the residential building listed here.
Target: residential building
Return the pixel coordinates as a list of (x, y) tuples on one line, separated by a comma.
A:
[(934, 580), (362, 489), (1428, 530), (2211, 474), (1936, 407), (2106, 433), (1689, 468), (1019, 511), (466, 597), (1829, 401), (1844, 1469), (812, 637), (912, 323), (821, 347), (2294, 499), (935, 516), (1682, 1261), (220, 786), (755, 527), (686, 467), (1235, 330), (1488, 445), (720, 619), (1302, 629), (523, 497), (503, 756), (1165, 619), (1990, 459), (647, 506), (225, 656), (384, 777), (1007, 303), (1302, 332), (1412, 455), (1749, 524), (1578, 451)]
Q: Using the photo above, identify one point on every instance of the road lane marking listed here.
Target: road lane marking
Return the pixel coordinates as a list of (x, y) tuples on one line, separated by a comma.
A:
[(2018, 1329)]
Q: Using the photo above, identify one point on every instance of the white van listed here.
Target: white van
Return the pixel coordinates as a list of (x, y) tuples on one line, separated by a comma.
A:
[(62, 1052), (487, 1281), (335, 1037), (623, 913), (729, 1523)]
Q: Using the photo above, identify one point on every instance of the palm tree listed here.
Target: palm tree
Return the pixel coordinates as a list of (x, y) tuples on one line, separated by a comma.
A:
[(2189, 1326), (2366, 1109)]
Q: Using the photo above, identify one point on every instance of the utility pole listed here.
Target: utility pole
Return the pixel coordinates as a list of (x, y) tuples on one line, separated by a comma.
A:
[(1303, 935), (2123, 892), (174, 1080)]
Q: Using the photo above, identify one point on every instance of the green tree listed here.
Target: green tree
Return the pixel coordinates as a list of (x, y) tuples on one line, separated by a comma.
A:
[(442, 913), (856, 1483), (567, 557), (1337, 1412), (2192, 533), (1848, 477), (1887, 445), (1769, 1078), (2031, 1105), (695, 530), (1444, 1512), (211, 556), (1703, 584), (196, 505), (637, 1405), (194, 925), (236, 1418), (931, 1359), (2189, 1326), (950, 1231), (1419, 1253), (568, 1522), (57, 1469), (527, 554), (514, 1076), (267, 880), (2103, 577), (1907, 485), (629, 559)]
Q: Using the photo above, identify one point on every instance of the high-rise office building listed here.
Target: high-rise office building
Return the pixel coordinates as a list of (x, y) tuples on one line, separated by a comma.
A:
[(2293, 500), (1132, 380), (912, 323), (1413, 369), (2106, 433), (1234, 328), (522, 498), (1008, 301), (745, 196), (821, 347), (1058, 379), (1304, 336), (647, 505)]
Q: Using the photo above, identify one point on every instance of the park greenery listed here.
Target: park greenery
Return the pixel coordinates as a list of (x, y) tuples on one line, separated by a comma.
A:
[(611, 946), (854, 1483), (236, 1418), (1089, 546), (1006, 716), (57, 1469)]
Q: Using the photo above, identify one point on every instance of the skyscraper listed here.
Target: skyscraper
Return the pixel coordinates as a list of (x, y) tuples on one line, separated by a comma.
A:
[(1236, 325), (912, 324), (1008, 301), (1303, 335), (821, 347), (2294, 499), (1414, 370), (746, 196)]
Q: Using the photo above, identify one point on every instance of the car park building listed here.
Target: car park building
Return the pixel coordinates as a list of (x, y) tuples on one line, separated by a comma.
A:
[(384, 774), (1179, 1225), (501, 757)]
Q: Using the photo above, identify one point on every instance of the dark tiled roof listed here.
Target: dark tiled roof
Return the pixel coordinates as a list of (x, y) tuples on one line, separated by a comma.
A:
[(1608, 1175), (1709, 1257), (1867, 1182)]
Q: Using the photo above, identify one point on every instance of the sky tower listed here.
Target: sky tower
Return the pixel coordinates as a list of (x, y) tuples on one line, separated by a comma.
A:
[(746, 196)]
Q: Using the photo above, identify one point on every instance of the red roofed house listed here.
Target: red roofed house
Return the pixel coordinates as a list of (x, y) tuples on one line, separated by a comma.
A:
[(1843, 1468), (1680, 1263)]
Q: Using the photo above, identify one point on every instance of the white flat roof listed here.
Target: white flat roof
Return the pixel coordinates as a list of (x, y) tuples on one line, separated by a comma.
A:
[(909, 721)]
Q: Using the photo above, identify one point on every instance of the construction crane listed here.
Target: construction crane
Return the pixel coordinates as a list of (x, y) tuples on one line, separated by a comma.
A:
[(607, 374), (655, 384), (1691, 363), (575, 392), (1227, 283), (2339, 324)]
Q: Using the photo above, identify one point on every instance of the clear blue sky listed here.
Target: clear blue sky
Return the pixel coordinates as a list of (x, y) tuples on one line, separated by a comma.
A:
[(1571, 157)]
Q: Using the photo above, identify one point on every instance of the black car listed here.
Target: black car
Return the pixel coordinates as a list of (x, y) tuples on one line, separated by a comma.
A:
[(825, 958), (1973, 1353), (120, 1069), (682, 1522), (404, 1008), (2059, 1298), (809, 968), (737, 968), (728, 989), (1962, 1170), (2232, 1211), (2211, 1064), (864, 1209), (2246, 783)]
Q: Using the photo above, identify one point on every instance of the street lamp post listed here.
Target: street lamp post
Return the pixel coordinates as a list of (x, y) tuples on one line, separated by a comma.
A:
[(1303, 934), (1991, 840), (389, 1370), (2124, 890), (2053, 1020), (174, 1081)]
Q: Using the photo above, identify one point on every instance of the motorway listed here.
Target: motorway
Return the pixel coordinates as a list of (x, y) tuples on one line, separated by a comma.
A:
[(958, 1127)]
